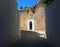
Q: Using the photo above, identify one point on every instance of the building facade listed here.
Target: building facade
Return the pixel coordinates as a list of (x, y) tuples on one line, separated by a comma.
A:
[(33, 19)]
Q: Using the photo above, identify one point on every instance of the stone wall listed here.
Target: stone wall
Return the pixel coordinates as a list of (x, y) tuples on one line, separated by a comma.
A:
[(38, 17), (23, 21)]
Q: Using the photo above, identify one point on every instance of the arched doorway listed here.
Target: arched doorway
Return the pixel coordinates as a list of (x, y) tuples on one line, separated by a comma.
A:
[(30, 25)]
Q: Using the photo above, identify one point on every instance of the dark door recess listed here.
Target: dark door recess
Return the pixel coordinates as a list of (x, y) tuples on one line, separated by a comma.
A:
[(30, 25)]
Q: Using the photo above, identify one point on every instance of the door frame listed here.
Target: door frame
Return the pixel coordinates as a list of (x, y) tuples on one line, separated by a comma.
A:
[(29, 25)]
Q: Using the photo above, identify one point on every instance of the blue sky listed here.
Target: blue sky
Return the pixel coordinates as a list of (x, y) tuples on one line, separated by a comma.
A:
[(27, 3)]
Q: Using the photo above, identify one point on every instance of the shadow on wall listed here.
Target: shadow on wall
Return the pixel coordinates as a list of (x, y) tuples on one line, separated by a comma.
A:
[(53, 23), (8, 21), (30, 39), (30, 35)]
